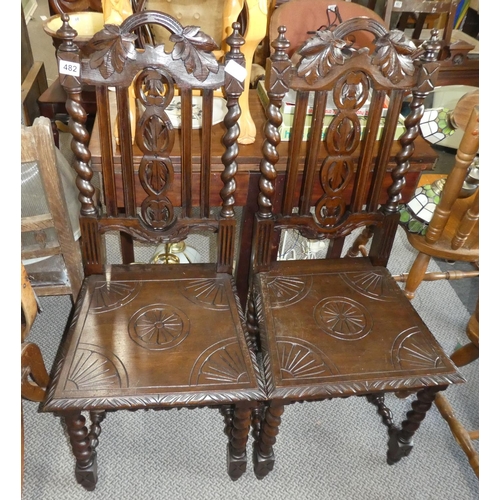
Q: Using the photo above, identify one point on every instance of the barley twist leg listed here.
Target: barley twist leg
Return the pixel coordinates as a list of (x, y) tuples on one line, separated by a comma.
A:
[(263, 454), (401, 440), (237, 446), (86, 464)]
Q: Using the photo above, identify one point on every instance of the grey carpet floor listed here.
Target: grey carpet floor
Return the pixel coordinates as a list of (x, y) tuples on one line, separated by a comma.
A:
[(325, 450)]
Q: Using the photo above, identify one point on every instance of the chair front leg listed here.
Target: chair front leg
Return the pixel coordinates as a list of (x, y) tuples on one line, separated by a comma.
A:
[(237, 427), (83, 446), (263, 454)]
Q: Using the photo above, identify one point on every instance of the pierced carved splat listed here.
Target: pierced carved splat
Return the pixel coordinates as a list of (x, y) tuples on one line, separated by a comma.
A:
[(342, 139), (155, 89), (158, 327), (343, 318), (220, 363)]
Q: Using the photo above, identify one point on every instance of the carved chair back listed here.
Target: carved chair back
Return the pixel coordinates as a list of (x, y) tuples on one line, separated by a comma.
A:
[(158, 188), (326, 192)]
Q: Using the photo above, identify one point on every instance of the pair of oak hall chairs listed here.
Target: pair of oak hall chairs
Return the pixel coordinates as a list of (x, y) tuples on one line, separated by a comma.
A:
[(151, 336)]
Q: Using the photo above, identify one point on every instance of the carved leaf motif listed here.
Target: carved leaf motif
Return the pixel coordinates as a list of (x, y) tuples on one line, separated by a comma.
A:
[(156, 133), (110, 48), (393, 54), (194, 48), (319, 53), (157, 175), (345, 133)]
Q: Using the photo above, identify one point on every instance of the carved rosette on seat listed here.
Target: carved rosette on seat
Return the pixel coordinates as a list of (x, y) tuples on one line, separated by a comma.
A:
[(153, 336), (340, 327)]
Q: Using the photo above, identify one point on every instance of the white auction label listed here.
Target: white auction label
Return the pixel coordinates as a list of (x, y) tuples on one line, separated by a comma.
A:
[(398, 4), (234, 69), (69, 68)]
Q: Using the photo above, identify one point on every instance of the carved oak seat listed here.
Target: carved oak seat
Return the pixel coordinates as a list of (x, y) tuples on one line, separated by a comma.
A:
[(143, 337), (336, 329)]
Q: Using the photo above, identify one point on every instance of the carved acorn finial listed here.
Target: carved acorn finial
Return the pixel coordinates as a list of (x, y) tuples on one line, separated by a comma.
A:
[(67, 34), (280, 45), (431, 47), (235, 40)]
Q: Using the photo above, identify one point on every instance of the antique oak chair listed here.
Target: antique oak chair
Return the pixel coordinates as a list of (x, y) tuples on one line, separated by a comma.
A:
[(151, 336), (340, 327), (453, 232)]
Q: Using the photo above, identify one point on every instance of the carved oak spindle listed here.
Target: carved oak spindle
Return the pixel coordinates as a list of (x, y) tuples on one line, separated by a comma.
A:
[(263, 449), (233, 84), (401, 441), (234, 88), (68, 56), (236, 450), (277, 86), (86, 464), (428, 69)]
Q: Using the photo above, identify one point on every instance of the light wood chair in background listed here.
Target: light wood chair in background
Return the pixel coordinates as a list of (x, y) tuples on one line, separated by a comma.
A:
[(453, 232), (34, 376), (461, 357), (50, 235)]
